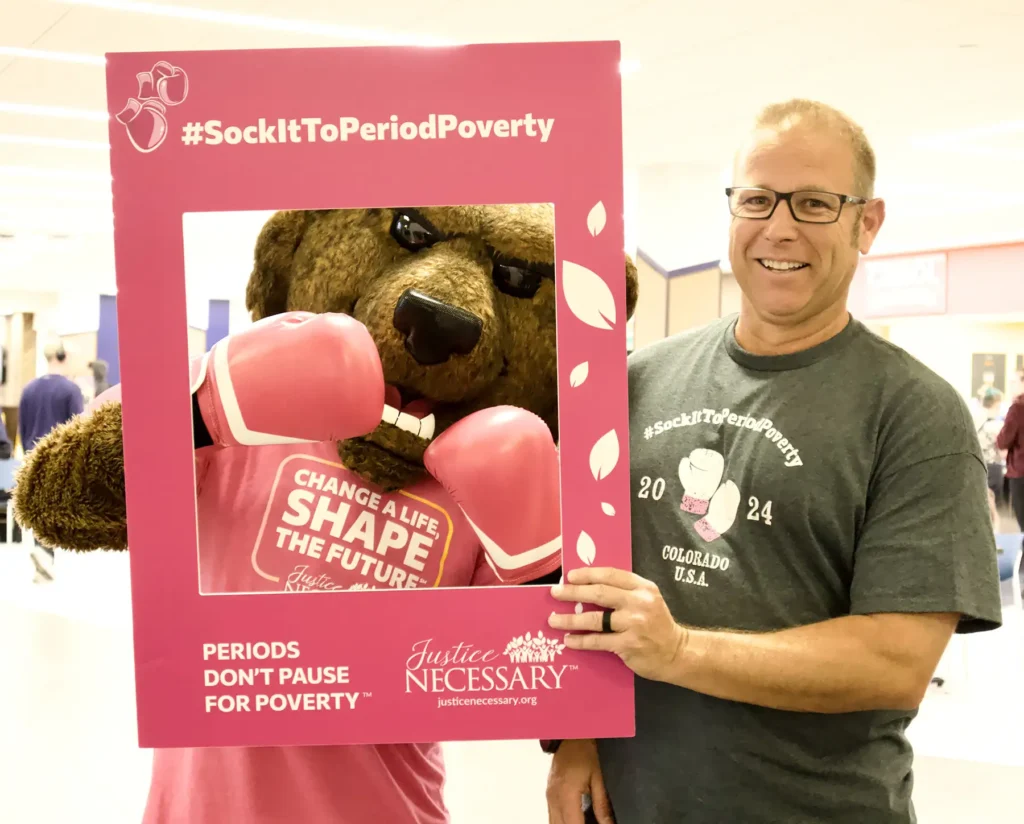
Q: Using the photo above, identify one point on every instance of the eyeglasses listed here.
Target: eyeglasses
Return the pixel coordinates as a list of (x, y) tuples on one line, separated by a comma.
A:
[(806, 207)]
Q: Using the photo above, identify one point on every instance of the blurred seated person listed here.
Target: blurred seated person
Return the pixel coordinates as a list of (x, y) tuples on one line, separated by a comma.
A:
[(988, 431), (6, 447)]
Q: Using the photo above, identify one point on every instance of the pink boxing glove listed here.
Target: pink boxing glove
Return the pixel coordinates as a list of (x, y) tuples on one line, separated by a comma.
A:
[(145, 123), (500, 465), (297, 377), (170, 82), (165, 82)]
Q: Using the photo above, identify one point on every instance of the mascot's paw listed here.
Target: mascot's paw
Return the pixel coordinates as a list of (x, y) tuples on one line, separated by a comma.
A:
[(70, 492)]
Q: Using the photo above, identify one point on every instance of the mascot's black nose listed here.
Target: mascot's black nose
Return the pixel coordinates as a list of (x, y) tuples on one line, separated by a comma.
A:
[(434, 331)]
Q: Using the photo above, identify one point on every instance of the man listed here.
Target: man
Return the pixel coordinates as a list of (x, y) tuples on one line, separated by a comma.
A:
[(810, 526), (1011, 438), (46, 402)]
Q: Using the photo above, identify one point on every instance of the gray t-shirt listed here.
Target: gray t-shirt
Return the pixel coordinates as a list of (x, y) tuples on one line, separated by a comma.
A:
[(772, 492)]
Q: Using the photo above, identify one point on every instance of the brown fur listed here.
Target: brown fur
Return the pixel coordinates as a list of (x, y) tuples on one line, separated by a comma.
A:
[(71, 490)]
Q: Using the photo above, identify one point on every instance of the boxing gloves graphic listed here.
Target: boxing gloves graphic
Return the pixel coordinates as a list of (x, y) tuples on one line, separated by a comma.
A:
[(721, 512), (167, 83), (144, 117), (700, 474), (297, 377), (500, 465), (144, 122), (705, 494)]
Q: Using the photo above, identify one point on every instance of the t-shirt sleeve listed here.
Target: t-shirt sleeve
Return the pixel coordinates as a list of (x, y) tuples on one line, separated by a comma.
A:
[(927, 543), (484, 574)]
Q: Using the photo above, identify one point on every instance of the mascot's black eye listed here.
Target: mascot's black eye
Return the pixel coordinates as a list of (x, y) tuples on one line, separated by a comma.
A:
[(413, 232), (516, 280)]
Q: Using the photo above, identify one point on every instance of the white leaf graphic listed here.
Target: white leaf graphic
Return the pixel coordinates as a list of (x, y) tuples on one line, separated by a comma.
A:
[(596, 219), (604, 455), (579, 609), (607, 508), (585, 548), (588, 296), (579, 374)]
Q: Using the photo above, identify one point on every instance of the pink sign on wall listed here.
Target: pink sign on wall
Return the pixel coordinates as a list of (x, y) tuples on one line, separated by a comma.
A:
[(284, 654), (906, 285)]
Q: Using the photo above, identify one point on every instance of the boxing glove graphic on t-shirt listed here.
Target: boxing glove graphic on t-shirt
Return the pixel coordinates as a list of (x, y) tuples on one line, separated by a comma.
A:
[(721, 512), (700, 474), (705, 494)]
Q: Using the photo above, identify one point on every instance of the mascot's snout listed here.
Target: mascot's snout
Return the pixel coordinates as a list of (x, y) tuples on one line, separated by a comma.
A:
[(434, 330)]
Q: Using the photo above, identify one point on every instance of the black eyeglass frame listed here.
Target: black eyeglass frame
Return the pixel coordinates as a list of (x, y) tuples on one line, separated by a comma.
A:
[(787, 196)]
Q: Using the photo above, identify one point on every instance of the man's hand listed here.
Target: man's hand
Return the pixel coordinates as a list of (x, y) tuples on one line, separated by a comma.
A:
[(576, 772), (644, 634)]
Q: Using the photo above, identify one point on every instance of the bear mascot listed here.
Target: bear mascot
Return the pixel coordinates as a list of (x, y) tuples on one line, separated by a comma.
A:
[(405, 353)]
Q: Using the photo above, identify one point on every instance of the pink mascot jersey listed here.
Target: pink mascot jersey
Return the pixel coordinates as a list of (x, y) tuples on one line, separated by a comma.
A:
[(275, 398)]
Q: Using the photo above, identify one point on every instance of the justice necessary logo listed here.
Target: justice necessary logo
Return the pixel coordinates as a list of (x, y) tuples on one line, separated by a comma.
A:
[(528, 664)]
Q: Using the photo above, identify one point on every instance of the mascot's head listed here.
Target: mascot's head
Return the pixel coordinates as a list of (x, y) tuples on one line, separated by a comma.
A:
[(460, 300)]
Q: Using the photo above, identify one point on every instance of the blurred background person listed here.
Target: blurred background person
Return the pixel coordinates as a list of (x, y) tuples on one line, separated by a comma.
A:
[(1011, 439), (47, 402), (99, 377), (989, 425)]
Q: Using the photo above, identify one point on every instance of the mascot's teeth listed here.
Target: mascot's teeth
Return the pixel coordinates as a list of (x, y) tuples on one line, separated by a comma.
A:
[(420, 427)]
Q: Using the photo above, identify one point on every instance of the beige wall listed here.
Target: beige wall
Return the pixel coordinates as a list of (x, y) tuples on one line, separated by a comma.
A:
[(649, 317), (196, 342), (693, 300), (946, 344), (81, 351), (731, 296), (667, 306)]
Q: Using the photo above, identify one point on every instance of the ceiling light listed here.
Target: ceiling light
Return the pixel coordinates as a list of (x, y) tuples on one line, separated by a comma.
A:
[(629, 66), (55, 142), (276, 24), (54, 111), (53, 174), (89, 195), (60, 57)]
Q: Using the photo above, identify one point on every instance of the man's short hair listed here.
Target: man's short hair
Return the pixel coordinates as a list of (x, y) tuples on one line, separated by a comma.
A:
[(820, 116)]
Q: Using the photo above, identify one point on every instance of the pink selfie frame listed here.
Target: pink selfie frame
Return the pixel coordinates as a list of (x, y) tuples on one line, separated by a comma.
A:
[(157, 177)]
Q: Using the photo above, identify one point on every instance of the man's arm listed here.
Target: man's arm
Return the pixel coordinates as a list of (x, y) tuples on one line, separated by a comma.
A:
[(847, 664), (1010, 432)]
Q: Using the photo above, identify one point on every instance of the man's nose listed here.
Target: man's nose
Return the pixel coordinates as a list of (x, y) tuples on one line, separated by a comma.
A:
[(782, 224), (433, 330)]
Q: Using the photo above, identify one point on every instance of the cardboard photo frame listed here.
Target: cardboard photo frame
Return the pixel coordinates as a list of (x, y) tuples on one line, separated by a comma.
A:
[(189, 133)]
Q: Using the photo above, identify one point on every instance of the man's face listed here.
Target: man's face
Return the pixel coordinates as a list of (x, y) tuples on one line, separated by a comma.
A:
[(759, 250)]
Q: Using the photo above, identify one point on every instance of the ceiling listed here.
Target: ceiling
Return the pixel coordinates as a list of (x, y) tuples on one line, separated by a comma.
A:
[(935, 85)]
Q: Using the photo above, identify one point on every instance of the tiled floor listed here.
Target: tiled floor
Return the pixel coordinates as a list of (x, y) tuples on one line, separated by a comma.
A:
[(67, 727)]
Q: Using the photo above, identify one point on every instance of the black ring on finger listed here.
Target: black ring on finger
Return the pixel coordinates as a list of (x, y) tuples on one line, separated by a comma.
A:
[(606, 622)]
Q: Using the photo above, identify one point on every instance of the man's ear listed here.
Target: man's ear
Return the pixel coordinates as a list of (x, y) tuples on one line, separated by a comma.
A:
[(632, 287), (267, 291)]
